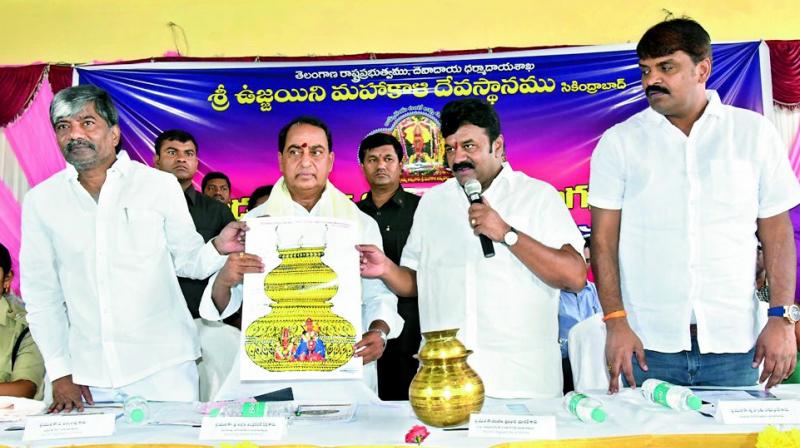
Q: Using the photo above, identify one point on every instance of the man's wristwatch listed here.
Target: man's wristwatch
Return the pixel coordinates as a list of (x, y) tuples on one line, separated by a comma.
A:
[(381, 333), (511, 237), (789, 312)]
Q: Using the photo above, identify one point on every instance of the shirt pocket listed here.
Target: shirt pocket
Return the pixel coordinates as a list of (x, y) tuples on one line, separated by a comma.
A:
[(732, 181), (141, 232)]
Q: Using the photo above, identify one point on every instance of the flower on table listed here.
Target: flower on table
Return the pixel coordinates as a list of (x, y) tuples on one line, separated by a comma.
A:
[(417, 434)]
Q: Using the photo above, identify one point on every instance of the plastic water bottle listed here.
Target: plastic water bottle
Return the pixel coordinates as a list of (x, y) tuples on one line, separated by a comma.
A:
[(585, 408), (669, 395), (136, 410)]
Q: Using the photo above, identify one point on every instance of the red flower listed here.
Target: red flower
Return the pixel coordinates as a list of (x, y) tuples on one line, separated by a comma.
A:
[(417, 434)]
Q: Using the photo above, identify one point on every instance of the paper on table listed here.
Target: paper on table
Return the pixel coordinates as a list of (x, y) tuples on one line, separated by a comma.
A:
[(180, 414), (71, 425), (14, 409), (714, 396)]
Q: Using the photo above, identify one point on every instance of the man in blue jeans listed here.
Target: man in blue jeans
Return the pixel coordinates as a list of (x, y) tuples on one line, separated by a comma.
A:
[(675, 271)]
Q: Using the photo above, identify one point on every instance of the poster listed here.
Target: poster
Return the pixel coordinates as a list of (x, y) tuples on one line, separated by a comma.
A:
[(302, 316)]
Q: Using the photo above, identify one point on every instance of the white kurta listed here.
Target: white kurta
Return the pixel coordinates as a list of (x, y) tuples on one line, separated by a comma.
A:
[(689, 206), (505, 313), (99, 278), (378, 303)]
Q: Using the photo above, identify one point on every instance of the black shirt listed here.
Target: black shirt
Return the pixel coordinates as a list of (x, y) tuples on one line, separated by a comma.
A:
[(394, 219), (209, 216), (397, 367)]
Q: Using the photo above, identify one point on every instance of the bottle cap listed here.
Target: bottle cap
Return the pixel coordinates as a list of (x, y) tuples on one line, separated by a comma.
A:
[(694, 402), (598, 415), (137, 415)]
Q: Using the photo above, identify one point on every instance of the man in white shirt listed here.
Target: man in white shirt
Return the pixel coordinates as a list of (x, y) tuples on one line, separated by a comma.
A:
[(506, 306), (306, 160), (675, 271), (102, 242)]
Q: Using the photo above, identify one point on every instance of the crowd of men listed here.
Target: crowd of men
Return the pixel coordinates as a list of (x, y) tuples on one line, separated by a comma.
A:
[(112, 279)]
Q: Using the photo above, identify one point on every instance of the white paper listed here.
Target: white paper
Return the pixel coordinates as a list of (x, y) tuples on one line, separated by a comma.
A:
[(530, 427), (714, 396), (13, 409), (758, 412), (337, 238), (65, 426), (243, 428)]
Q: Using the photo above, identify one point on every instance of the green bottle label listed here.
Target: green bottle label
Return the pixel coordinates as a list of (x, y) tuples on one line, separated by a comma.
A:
[(660, 394), (573, 403), (251, 409)]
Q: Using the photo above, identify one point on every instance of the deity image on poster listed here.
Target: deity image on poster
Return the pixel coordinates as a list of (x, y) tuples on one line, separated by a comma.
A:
[(300, 317), (417, 129)]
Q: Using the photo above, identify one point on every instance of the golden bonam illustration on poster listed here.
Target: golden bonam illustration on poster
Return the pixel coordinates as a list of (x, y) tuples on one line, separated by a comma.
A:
[(300, 316)]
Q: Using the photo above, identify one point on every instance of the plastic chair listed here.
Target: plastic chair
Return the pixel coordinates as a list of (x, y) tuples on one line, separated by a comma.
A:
[(587, 354), (218, 345)]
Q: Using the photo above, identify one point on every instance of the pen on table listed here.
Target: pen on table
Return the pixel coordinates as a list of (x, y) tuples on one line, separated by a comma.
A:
[(460, 428), (190, 425)]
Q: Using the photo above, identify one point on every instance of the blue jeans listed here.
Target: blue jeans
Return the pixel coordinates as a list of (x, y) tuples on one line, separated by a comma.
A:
[(691, 368)]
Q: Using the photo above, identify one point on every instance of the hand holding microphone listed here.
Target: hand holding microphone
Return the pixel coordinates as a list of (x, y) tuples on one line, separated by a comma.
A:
[(473, 190)]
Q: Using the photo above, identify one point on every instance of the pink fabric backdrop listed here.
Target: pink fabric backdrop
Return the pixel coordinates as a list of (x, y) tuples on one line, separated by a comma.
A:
[(10, 229), (34, 144), (33, 140), (794, 154)]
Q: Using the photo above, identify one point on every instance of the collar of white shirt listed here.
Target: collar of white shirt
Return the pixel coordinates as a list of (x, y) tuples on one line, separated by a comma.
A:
[(122, 165)]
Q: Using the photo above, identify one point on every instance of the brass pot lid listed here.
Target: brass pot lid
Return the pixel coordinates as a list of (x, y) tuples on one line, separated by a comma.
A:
[(442, 344)]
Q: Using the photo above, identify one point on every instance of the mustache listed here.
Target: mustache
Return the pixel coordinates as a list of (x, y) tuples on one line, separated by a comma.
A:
[(76, 143), (656, 89), (463, 165)]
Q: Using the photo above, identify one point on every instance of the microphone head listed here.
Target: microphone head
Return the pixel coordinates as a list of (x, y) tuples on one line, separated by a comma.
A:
[(472, 187)]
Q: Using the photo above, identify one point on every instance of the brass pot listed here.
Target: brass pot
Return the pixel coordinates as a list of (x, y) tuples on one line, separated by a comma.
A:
[(445, 390)]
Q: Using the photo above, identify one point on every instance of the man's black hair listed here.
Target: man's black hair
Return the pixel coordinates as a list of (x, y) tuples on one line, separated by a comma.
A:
[(673, 35), (305, 119), (177, 135)]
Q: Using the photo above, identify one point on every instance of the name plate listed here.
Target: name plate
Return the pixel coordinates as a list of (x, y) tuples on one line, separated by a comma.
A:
[(243, 428), (758, 411), (67, 426), (512, 426)]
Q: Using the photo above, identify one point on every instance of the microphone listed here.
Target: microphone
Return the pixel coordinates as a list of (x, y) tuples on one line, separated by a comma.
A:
[(473, 190)]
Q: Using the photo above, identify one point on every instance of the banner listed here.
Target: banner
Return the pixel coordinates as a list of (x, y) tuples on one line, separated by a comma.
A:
[(553, 105)]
